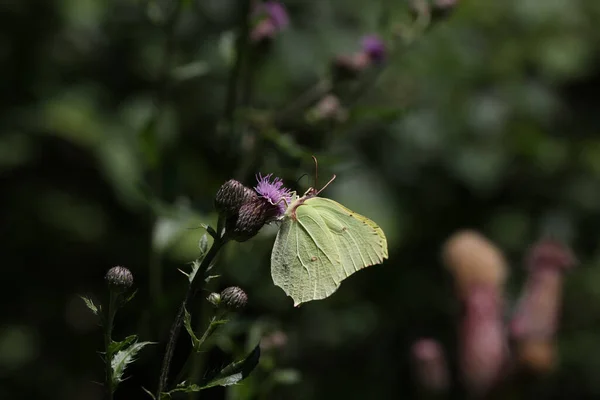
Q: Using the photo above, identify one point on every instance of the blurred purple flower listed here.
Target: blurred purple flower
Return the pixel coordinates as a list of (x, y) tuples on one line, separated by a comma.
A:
[(277, 13), (374, 47), (431, 369), (273, 191), (483, 345)]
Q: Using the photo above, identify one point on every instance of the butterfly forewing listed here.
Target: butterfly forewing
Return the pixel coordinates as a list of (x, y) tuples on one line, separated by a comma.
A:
[(360, 241)]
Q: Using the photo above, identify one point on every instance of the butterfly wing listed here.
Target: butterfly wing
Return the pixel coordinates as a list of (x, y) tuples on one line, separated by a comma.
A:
[(360, 241), (305, 261), (324, 244)]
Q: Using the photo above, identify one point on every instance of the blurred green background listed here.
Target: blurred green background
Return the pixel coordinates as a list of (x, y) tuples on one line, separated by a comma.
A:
[(114, 137)]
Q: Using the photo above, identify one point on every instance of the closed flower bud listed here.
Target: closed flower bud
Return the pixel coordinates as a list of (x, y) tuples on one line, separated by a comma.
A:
[(233, 298), (474, 261), (119, 279), (252, 216), (214, 299), (230, 197)]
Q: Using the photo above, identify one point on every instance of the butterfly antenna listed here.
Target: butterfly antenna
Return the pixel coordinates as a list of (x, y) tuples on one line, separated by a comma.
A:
[(316, 171), (298, 180), (327, 184)]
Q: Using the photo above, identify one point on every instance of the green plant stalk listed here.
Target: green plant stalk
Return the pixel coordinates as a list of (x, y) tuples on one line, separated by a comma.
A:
[(236, 72), (212, 327), (193, 288), (108, 327)]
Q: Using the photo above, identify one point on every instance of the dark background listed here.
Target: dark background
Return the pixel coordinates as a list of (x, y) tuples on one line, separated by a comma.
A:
[(113, 142)]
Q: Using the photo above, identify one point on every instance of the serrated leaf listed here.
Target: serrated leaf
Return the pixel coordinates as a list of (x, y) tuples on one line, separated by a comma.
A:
[(236, 371), (123, 358), (203, 244), (211, 277), (90, 304), (184, 387), (149, 393), (117, 346), (187, 322), (195, 266)]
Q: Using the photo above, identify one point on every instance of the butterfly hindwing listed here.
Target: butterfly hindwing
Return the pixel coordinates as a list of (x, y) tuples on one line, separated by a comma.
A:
[(305, 262)]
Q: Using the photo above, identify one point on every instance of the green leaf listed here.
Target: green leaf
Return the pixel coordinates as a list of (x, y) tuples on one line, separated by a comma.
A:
[(117, 346), (90, 304), (195, 266), (203, 244), (129, 298), (184, 387), (123, 358), (236, 371), (190, 71), (211, 277), (187, 322), (286, 376)]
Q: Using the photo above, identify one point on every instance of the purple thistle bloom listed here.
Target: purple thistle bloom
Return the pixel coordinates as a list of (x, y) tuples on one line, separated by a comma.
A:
[(275, 12), (273, 191), (374, 47)]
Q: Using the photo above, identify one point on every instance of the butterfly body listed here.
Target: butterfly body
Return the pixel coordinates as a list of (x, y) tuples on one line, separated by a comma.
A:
[(319, 244)]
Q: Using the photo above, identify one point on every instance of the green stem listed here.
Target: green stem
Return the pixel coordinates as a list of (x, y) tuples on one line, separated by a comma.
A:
[(108, 327), (212, 327), (193, 288), (236, 72)]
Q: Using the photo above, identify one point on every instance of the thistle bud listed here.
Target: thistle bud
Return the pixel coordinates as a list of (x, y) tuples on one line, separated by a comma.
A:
[(230, 197), (431, 369), (252, 216), (119, 279), (214, 299), (233, 298)]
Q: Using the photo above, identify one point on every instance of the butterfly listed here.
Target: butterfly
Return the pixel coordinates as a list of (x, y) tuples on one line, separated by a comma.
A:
[(319, 244)]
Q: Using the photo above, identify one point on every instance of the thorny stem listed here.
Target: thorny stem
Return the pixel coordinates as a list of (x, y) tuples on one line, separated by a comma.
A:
[(108, 327), (193, 288)]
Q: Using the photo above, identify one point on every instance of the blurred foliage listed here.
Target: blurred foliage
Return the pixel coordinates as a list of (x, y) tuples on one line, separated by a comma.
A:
[(113, 144)]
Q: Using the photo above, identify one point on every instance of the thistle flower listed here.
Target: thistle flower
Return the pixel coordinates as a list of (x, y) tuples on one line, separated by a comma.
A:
[(274, 192), (234, 298), (483, 347), (252, 216), (374, 47), (536, 318), (431, 368), (119, 279), (272, 18), (328, 108)]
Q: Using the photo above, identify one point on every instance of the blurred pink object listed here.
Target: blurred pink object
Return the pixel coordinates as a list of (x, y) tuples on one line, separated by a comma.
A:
[(483, 345), (431, 368), (538, 310), (272, 18)]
